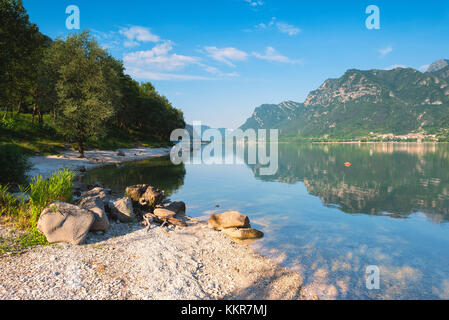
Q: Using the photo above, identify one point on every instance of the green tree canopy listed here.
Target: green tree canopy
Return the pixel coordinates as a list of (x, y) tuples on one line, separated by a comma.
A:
[(86, 87)]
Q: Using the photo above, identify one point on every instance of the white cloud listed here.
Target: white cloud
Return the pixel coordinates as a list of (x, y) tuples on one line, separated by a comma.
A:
[(159, 58), (287, 28), (158, 64), (226, 55), (217, 72), (254, 3), (136, 34), (272, 55), (140, 73), (282, 27), (395, 66), (384, 51), (424, 67)]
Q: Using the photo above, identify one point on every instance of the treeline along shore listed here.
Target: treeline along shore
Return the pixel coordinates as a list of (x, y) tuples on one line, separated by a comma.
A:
[(55, 92)]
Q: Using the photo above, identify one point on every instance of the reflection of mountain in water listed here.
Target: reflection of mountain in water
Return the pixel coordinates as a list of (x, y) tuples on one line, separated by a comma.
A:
[(395, 179), (158, 172)]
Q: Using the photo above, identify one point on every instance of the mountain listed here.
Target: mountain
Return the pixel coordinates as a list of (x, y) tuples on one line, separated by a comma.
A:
[(195, 135), (438, 65), (440, 69), (397, 101), (269, 115)]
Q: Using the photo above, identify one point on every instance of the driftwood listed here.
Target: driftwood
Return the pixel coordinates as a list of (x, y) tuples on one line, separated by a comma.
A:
[(150, 218)]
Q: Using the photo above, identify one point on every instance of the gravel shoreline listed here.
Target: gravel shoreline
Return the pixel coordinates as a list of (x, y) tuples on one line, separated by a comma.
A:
[(45, 165), (127, 262)]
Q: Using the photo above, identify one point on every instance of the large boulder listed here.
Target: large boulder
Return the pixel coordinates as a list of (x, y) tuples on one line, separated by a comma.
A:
[(229, 219), (64, 222), (96, 205), (243, 233), (122, 209)]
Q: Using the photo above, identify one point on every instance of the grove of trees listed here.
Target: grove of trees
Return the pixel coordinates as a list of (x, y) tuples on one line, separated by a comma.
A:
[(79, 85)]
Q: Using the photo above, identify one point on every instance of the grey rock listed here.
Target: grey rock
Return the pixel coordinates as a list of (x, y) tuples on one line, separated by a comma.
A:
[(96, 205), (103, 194), (64, 222), (122, 209), (178, 207)]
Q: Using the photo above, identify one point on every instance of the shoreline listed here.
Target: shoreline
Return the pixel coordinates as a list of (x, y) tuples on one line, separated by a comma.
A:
[(45, 165), (127, 262)]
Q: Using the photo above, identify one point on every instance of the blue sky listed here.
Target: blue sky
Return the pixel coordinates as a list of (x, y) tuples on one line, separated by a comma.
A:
[(219, 59)]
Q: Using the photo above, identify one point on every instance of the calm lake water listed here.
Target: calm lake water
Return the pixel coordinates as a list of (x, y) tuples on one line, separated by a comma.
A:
[(327, 221)]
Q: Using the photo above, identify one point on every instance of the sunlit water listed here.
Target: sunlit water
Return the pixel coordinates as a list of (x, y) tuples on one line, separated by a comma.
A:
[(327, 221)]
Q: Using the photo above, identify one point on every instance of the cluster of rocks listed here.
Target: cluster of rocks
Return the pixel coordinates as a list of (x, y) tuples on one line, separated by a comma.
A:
[(235, 225), (94, 208)]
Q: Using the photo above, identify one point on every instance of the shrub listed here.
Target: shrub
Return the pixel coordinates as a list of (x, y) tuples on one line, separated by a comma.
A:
[(8, 202), (8, 123), (13, 164), (59, 187), (25, 213)]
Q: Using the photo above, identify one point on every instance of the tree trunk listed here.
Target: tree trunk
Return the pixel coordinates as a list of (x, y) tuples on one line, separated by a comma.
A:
[(80, 148), (39, 114), (34, 112)]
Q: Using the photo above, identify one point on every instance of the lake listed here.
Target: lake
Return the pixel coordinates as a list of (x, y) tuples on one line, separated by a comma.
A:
[(329, 222)]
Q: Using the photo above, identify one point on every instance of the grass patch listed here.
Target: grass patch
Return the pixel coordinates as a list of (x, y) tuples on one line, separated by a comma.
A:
[(23, 213)]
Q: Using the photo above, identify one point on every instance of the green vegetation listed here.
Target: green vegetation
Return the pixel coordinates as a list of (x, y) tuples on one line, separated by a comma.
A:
[(13, 164), (54, 92), (23, 213)]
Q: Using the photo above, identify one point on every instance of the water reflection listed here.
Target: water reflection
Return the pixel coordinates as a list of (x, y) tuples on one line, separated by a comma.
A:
[(384, 179), (327, 221), (158, 172)]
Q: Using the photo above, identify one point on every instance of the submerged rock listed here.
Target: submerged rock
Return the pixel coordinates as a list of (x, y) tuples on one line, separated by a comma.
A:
[(229, 219), (64, 222), (243, 233)]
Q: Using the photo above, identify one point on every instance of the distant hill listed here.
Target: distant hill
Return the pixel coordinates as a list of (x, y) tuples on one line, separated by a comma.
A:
[(397, 101), (194, 134)]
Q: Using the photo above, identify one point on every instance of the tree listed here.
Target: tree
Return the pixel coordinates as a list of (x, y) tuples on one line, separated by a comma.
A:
[(86, 88), (20, 42)]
